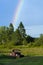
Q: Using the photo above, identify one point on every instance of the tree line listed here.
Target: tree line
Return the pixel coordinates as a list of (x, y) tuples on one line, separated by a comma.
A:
[(18, 37)]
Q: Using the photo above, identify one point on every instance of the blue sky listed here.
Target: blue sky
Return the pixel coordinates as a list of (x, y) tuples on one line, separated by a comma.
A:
[(31, 15), (7, 9)]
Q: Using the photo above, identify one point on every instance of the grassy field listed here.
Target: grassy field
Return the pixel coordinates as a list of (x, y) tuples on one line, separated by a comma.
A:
[(29, 60), (27, 51), (33, 56)]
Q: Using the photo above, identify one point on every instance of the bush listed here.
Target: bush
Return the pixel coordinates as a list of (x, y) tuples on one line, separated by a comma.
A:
[(39, 41)]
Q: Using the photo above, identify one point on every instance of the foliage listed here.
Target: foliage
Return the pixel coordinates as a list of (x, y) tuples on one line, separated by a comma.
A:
[(22, 30), (11, 28), (29, 39), (18, 37), (39, 41), (24, 42)]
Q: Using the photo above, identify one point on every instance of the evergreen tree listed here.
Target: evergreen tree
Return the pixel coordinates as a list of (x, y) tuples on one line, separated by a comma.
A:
[(11, 28), (10, 31), (22, 30)]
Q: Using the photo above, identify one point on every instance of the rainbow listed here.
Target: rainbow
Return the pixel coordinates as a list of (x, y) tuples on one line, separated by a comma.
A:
[(17, 11)]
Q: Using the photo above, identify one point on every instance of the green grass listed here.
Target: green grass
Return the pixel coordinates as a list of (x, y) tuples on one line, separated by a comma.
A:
[(27, 51), (34, 56), (36, 60)]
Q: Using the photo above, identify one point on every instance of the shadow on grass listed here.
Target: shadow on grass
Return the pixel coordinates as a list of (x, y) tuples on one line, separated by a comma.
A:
[(28, 60), (6, 57), (1, 63), (23, 57)]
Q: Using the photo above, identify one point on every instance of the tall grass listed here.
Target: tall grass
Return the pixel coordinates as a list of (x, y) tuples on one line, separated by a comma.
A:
[(25, 49)]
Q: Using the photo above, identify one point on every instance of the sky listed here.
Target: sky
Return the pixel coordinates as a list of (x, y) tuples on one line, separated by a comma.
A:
[(30, 12)]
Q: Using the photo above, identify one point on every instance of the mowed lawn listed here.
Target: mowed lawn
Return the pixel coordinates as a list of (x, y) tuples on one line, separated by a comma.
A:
[(29, 60)]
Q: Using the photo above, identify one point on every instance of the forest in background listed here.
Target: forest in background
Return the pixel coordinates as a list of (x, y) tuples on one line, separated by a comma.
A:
[(11, 37)]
